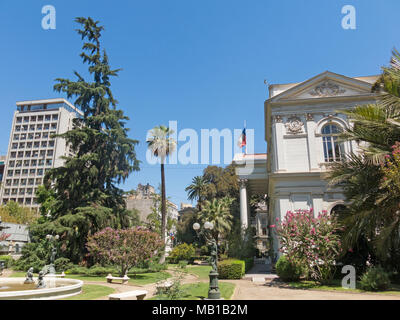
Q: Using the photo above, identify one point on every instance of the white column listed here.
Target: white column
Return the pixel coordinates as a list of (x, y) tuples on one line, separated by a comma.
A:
[(243, 203)]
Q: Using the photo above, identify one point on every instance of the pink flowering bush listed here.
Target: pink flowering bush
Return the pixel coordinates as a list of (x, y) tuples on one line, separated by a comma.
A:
[(124, 247), (4, 236), (391, 171), (313, 242)]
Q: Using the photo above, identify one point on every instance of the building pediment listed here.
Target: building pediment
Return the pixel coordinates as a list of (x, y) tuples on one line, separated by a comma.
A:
[(324, 85)]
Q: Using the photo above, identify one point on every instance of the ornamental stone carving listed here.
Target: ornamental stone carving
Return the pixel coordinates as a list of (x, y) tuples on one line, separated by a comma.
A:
[(327, 89), (277, 119), (310, 117), (294, 125), (243, 183)]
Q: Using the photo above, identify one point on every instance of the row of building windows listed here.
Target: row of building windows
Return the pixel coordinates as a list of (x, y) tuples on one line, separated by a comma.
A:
[(27, 119), (30, 163), (28, 145), (21, 191), (28, 201), (23, 182), (38, 135), (31, 154), (31, 127), (24, 172)]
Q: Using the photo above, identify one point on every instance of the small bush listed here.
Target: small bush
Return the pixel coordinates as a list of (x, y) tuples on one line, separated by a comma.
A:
[(182, 264), (204, 250), (231, 269), (8, 260), (183, 251), (62, 264), (375, 279), (287, 270), (154, 266)]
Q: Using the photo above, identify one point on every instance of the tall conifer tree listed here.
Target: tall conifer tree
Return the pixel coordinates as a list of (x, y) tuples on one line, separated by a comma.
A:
[(84, 192)]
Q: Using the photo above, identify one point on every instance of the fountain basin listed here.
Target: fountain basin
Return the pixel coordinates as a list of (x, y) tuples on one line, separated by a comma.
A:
[(14, 289)]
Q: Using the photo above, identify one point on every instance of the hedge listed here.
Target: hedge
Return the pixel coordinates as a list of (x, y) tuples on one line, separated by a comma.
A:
[(249, 263), (8, 260), (231, 269)]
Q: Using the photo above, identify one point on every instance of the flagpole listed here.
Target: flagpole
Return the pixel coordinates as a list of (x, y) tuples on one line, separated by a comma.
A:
[(245, 147)]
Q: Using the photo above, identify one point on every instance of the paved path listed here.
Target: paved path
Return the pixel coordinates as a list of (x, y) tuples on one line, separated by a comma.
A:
[(247, 290)]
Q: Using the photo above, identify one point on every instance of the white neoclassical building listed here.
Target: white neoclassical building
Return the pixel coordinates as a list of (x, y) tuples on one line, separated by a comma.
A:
[(302, 121)]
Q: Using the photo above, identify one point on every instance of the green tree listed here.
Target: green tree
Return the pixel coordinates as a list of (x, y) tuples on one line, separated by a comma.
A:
[(84, 196), (222, 182), (185, 231), (161, 146), (14, 213), (217, 212), (197, 190), (373, 212)]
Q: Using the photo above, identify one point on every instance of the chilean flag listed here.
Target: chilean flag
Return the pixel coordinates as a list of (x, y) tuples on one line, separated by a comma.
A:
[(242, 139)]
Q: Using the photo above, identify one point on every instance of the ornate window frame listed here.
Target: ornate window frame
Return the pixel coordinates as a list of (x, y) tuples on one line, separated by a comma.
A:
[(330, 120)]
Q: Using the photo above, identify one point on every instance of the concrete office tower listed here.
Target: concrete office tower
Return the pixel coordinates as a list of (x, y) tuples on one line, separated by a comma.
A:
[(32, 151)]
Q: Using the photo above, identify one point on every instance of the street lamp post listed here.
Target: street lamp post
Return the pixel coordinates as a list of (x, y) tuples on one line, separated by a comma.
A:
[(213, 291)]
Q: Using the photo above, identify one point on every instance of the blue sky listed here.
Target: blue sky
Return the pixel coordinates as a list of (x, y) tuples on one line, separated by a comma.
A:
[(201, 63)]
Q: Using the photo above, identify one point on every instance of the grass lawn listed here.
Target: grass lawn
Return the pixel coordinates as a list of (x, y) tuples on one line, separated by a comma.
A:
[(198, 291), (201, 271), (91, 292), (140, 279), (336, 286)]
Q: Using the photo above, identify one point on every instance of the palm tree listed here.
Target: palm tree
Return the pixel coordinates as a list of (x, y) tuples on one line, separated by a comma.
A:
[(197, 190), (217, 211), (373, 212), (162, 145)]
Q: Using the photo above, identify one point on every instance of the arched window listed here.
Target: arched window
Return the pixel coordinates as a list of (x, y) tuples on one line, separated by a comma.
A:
[(333, 151)]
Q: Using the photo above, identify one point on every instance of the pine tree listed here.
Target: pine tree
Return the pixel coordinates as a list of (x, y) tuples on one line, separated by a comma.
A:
[(84, 192)]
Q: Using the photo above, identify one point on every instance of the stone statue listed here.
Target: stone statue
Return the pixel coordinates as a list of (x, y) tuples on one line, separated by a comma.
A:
[(214, 255), (41, 283), (29, 277), (53, 255)]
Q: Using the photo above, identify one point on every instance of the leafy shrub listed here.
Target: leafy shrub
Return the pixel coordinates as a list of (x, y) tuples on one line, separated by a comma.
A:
[(183, 251), (204, 250), (8, 261), (125, 248), (182, 264), (312, 241), (34, 255), (154, 266), (223, 257), (375, 279), (231, 269), (62, 264), (288, 270), (176, 291)]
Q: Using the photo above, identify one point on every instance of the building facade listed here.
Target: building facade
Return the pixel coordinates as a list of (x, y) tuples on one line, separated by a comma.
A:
[(143, 200), (302, 123), (32, 149)]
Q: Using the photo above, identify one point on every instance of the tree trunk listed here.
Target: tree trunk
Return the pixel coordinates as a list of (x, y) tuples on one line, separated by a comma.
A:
[(163, 211)]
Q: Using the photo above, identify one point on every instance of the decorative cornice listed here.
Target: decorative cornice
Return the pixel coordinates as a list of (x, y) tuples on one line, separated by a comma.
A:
[(243, 182), (327, 89), (278, 119), (310, 117), (294, 125)]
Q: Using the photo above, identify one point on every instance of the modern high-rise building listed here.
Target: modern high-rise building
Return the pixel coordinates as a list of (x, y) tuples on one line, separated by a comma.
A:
[(32, 150)]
